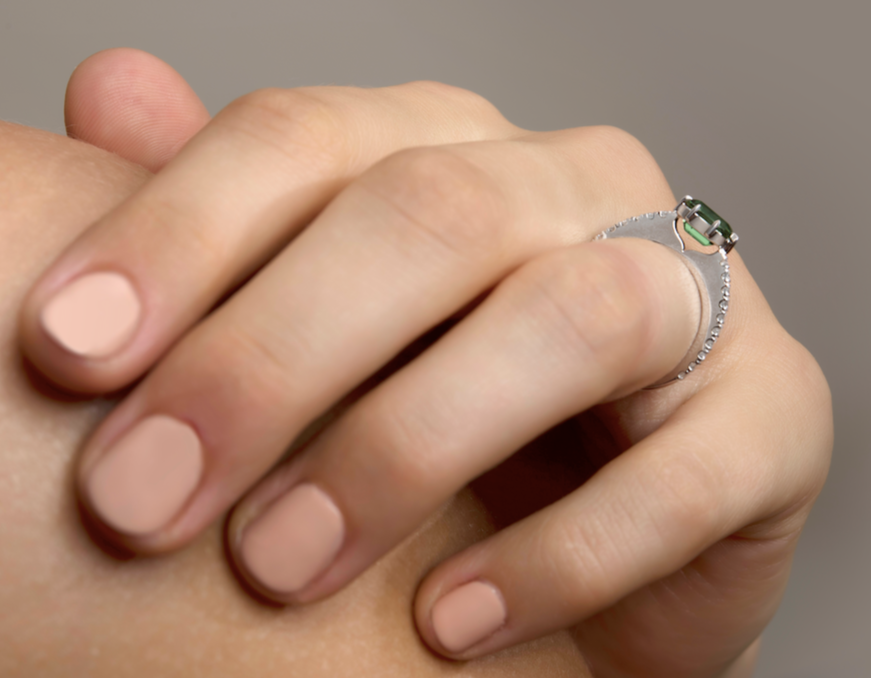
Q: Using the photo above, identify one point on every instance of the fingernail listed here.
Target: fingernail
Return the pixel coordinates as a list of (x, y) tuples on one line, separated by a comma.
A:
[(94, 315), (294, 540), (147, 476), (467, 615)]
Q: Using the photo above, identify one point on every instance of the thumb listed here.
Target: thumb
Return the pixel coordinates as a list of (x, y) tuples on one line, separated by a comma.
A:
[(133, 104)]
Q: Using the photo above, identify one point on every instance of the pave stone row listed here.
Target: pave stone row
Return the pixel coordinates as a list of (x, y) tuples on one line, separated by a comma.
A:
[(649, 215), (723, 306)]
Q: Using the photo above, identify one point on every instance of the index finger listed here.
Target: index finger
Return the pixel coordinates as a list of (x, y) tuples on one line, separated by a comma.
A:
[(241, 188)]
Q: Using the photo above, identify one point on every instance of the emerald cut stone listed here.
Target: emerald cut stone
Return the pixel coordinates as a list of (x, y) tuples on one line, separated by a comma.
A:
[(693, 232), (711, 217)]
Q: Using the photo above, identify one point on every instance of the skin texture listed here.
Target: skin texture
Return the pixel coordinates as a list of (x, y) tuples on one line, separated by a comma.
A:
[(676, 549), (70, 609), (133, 104)]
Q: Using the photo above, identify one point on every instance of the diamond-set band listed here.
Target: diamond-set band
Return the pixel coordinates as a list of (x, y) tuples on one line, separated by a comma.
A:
[(711, 271)]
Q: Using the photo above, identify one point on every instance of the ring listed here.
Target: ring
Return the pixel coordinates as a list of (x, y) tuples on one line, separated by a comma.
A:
[(711, 270)]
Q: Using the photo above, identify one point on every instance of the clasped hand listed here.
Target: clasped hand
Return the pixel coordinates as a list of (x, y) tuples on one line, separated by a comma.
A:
[(294, 253)]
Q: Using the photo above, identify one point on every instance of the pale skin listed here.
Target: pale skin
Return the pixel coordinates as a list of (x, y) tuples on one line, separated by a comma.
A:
[(668, 560), (70, 609)]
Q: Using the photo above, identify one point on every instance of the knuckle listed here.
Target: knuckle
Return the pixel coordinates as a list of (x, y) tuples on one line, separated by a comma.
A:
[(809, 405), (402, 449), (672, 507), (615, 139), (389, 455), (619, 145), (478, 107), (296, 122), (438, 89), (596, 305), (577, 556), (442, 196), (251, 369), (616, 155), (181, 235), (687, 485), (813, 384)]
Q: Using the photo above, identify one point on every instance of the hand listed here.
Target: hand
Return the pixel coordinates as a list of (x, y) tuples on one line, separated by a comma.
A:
[(361, 219), (67, 610)]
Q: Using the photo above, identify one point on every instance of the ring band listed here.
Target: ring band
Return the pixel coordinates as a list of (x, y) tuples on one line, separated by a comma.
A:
[(710, 270)]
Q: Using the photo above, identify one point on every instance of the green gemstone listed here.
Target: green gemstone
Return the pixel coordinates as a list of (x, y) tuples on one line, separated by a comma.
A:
[(693, 232), (711, 217)]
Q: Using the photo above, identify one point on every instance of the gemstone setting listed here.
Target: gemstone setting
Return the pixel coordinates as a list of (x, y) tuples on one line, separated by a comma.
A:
[(705, 225), (710, 217)]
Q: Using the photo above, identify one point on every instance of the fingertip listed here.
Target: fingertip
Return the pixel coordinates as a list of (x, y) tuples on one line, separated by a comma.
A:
[(74, 329), (249, 517), (460, 614), (468, 615), (133, 104)]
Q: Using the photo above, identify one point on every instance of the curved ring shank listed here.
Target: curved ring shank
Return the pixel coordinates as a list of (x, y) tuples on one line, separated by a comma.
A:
[(711, 272)]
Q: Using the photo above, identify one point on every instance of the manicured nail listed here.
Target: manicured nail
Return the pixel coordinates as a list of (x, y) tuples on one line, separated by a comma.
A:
[(467, 615), (294, 540), (147, 476), (94, 315)]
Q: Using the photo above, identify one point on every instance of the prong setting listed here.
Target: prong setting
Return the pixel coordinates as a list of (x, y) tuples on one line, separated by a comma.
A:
[(705, 225)]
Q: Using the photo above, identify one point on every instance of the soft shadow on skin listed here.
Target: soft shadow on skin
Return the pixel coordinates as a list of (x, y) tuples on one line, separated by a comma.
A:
[(542, 472), (249, 590), (45, 388), (94, 532)]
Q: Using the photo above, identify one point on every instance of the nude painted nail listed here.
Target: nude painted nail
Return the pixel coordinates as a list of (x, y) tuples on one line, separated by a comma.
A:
[(467, 615), (94, 315), (294, 540), (147, 476)]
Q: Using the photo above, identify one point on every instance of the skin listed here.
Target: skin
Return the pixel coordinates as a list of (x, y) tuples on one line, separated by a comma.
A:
[(73, 609), (671, 557)]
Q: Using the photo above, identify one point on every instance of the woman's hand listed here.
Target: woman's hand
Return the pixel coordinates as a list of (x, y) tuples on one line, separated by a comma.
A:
[(348, 224)]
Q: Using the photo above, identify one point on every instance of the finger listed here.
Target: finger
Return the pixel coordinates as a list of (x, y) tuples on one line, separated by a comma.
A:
[(707, 611), (133, 104), (642, 517), (259, 172), (438, 227), (567, 330), (705, 614)]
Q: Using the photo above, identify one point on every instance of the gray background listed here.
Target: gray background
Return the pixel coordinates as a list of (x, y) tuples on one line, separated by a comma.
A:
[(761, 107)]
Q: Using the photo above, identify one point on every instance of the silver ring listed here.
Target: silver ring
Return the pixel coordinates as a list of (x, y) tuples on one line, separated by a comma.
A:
[(711, 270)]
